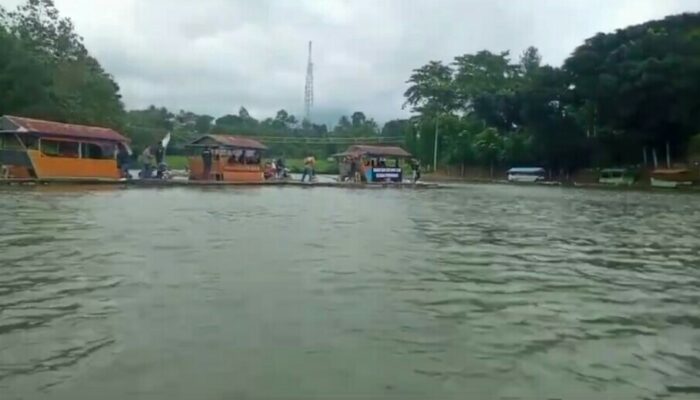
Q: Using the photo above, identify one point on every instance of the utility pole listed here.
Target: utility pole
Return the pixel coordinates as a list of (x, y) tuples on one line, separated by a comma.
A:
[(435, 148)]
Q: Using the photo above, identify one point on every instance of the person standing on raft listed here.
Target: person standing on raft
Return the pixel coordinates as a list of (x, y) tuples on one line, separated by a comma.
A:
[(309, 164)]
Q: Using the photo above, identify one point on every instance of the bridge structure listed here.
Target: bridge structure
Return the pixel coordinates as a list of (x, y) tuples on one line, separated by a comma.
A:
[(311, 140), (320, 140)]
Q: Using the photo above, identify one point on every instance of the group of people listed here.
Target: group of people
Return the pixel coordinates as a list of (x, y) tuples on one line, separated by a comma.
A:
[(152, 159), (245, 158), (276, 169), (353, 169)]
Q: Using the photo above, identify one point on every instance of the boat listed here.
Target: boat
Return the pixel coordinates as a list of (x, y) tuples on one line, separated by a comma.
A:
[(527, 174), (672, 178), (616, 176), (233, 159), (373, 164), (33, 149)]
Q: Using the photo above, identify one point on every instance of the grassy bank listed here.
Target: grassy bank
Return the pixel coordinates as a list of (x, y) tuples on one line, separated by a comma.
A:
[(176, 162), (322, 166), (294, 164)]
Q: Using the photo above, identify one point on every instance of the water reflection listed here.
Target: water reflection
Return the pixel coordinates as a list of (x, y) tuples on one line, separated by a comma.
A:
[(479, 291)]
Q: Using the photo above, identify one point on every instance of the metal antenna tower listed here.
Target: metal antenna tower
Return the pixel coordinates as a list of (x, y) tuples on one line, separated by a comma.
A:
[(309, 88)]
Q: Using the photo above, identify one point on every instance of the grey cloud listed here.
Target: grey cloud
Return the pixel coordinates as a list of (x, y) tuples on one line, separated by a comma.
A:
[(214, 56)]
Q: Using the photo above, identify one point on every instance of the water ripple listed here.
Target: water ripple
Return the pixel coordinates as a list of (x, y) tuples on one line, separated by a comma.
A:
[(490, 291)]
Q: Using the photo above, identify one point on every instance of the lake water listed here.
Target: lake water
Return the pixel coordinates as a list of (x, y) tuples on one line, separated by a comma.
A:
[(480, 291)]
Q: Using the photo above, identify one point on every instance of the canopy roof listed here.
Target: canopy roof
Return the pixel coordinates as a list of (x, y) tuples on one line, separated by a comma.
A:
[(375, 151), (670, 171), (21, 125), (525, 170), (233, 142)]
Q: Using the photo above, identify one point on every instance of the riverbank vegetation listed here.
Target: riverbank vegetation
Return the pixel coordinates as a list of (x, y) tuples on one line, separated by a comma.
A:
[(618, 97), (621, 98)]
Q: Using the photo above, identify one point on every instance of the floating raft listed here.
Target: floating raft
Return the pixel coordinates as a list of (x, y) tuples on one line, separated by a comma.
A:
[(147, 183)]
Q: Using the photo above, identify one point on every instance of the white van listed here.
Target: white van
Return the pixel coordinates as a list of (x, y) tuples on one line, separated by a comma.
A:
[(525, 174)]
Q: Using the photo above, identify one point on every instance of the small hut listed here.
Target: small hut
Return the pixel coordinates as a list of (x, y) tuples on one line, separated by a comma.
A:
[(372, 163), (231, 159)]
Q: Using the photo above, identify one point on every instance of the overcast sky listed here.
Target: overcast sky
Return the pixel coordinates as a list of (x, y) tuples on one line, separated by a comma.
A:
[(213, 56)]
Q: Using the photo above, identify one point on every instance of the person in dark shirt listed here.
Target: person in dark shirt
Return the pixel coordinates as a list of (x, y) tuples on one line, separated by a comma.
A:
[(352, 175), (280, 168), (415, 166), (123, 159), (159, 153), (206, 162)]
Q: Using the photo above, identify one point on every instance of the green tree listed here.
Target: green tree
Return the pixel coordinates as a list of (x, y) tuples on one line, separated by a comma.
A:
[(358, 119), (343, 124), (489, 147), (486, 84), (25, 82), (517, 149), (638, 85), (396, 128), (530, 61), (75, 87), (431, 89), (203, 123), (52, 38)]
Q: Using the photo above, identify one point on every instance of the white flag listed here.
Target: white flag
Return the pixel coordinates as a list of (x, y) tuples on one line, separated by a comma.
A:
[(166, 140)]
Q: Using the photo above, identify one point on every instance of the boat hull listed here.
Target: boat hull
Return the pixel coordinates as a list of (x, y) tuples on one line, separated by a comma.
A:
[(616, 181), (663, 183)]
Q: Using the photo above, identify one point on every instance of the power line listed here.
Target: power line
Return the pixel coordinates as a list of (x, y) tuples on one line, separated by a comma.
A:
[(329, 139)]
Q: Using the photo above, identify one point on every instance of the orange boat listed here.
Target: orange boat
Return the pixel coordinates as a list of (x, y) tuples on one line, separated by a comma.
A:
[(231, 159), (45, 150)]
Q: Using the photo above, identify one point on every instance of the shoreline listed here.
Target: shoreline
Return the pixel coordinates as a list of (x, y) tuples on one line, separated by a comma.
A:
[(573, 185), (155, 183), (428, 182)]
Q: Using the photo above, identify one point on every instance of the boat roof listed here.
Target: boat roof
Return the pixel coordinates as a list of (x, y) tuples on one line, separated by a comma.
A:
[(377, 151), (527, 170), (11, 123), (234, 142), (670, 171)]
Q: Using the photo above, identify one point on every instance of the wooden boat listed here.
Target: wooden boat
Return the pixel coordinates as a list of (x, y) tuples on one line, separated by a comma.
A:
[(372, 163), (32, 149), (233, 159), (672, 178), (616, 176)]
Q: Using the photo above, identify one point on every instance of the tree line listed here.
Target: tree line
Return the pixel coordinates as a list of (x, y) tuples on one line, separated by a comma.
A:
[(148, 126), (619, 99), (46, 71)]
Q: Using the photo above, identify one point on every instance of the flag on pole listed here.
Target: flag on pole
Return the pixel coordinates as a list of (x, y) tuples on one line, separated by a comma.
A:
[(165, 140)]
